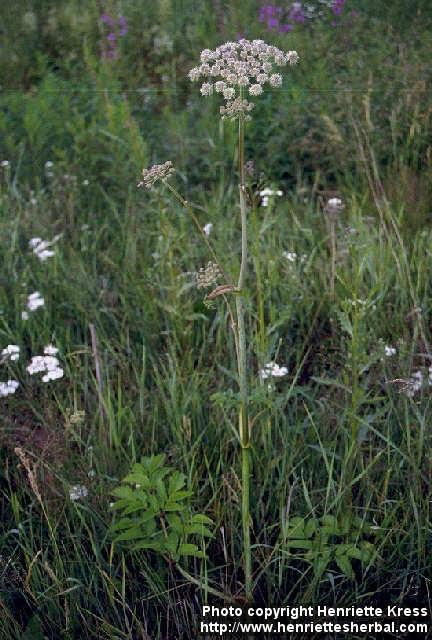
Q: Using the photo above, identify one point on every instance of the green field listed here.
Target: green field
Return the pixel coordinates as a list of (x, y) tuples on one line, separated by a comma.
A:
[(339, 444)]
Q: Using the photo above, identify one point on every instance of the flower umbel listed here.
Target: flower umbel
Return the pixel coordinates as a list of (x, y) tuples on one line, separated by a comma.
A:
[(11, 352), (236, 67), (155, 173), (273, 370), (208, 276)]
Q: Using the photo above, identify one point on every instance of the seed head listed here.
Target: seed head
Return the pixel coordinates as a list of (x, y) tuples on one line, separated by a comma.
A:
[(155, 173)]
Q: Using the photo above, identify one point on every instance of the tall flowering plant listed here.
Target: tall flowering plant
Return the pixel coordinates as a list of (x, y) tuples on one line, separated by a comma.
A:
[(238, 72)]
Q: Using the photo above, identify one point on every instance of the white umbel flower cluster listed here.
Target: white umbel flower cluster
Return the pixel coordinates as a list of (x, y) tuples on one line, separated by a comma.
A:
[(11, 352), (35, 300), (47, 364), (273, 370), (8, 388), (78, 492), (236, 67), (266, 193)]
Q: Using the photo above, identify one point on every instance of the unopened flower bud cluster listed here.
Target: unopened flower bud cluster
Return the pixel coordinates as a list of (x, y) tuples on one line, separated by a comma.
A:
[(236, 67), (155, 173), (208, 276)]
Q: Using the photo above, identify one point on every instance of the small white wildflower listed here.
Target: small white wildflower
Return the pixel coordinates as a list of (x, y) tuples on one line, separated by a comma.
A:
[(46, 364), (4, 163), (220, 86), (49, 164), (85, 183), (24, 315), (229, 93), (389, 351), (53, 374), (275, 80), (8, 388), (34, 301), (206, 55), (291, 256), (272, 370), (333, 207), (417, 380), (11, 352), (50, 350), (206, 89), (40, 247), (77, 492), (255, 90), (111, 504), (194, 74), (208, 228), (45, 254), (243, 81), (266, 193), (292, 57), (37, 365), (91, 473)]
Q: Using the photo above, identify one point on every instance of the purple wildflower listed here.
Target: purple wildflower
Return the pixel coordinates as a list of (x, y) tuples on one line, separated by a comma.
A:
[(123, 26), (105, 17), (297, 13), (338, 7), (286, 28)]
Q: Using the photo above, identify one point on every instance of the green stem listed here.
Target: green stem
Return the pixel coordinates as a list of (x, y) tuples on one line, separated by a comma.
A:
[(242, 372), (246, 455)]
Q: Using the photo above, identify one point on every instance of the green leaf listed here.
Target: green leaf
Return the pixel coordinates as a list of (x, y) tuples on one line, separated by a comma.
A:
[(161, 490), (131, 534), (175, 522), (354, 552), (198, 529), (173, 506), (123, 492), (310, 528), (320, 566), (179, 495), (296, 528), (154, 503), (176, 482), (344, 564), (138, 478), (299, 544), (190, 550), (199, 518)]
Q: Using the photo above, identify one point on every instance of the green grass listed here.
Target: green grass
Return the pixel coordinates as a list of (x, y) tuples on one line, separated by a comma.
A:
[(335, 437)]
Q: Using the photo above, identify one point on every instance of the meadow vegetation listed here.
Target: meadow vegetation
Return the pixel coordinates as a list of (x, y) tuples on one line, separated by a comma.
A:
[(338, 296)]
